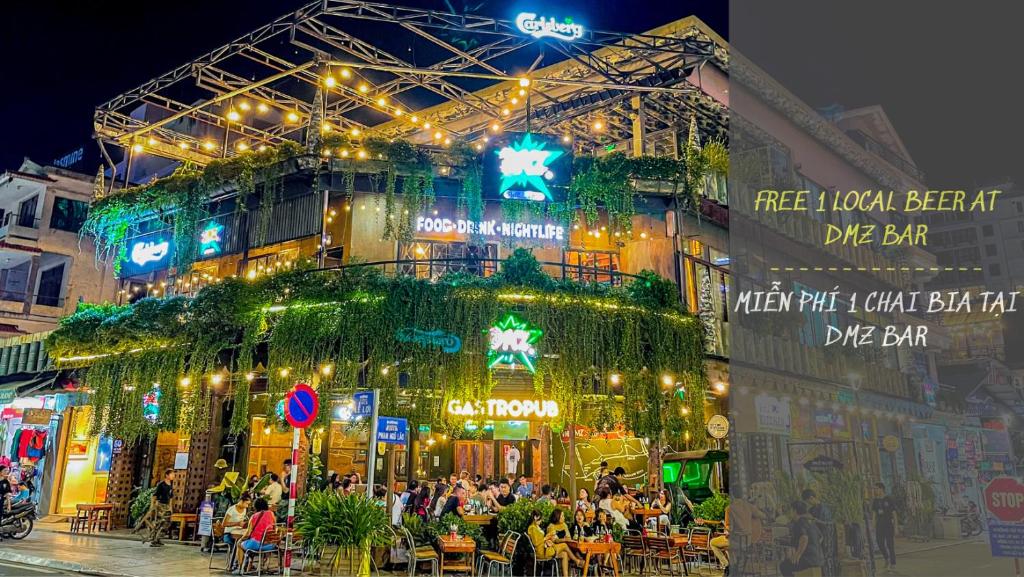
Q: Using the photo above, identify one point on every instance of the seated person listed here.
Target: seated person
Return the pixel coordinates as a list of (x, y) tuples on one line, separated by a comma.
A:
[(557, 531), (581, 525), (607, 504), (602, 523), (547, 548), (256, 532)]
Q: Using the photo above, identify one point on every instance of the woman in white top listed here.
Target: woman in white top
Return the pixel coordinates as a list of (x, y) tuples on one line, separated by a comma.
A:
[(583, 501)]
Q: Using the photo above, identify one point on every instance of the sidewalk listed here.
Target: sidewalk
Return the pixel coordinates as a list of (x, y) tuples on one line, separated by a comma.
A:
[(110, 555)]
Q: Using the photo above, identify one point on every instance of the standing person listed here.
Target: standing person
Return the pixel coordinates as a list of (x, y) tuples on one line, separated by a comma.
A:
[(160, 505), (884, 508), (613, 483), (601, 472), (512, 457), (806, 545), (5, 489), (286, 472), (404, 503)]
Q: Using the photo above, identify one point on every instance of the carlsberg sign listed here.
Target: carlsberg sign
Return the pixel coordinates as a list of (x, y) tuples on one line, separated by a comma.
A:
[(548, 27)]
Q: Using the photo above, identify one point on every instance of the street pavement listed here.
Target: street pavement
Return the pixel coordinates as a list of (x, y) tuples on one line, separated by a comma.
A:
[(20, 570), (941, 559)]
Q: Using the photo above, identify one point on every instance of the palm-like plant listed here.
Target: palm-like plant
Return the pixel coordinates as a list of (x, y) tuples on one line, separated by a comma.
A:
[(352, 523)]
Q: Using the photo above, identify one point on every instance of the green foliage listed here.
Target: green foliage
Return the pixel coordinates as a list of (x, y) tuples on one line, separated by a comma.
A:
[(843, 493), (651, 290), (306, 318), (140, 504), (712, 509), (419, 530), (348, 521), (518, 515), (440, 527)]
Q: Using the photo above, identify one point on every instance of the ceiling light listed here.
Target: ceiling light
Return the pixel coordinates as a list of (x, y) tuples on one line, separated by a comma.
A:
[(382, 101), (438, 135), (242, 146), (522, 92), (361, 154), (514, 100), (261, 107), (495, 127), (355, 132), (244, 105), (326, 127), (138, 148), (183, 145), (233, 115), (505, 112), (346, 73), (292, 117), (426, 125), (329, 82), (566, 138), (598, 125), (524, 82), (364, 88), (209, 145)]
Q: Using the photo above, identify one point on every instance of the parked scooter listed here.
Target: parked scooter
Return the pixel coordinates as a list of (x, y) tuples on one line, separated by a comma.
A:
[(18, 521), (970, 523)]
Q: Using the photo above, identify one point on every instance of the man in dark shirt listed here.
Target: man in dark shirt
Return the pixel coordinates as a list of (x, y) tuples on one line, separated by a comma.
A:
[(454, 503), (613, 483), (884, 508), (806, 544), (5, 490), (505, 496), (160, 506)]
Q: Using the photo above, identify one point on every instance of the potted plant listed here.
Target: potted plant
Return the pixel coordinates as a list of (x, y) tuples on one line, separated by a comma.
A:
[(349, 524)]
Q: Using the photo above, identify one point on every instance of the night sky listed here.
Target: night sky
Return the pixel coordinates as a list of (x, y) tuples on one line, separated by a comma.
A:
[(57, 65)]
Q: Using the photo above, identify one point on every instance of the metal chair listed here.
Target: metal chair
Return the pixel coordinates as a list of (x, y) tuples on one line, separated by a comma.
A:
[(634, 549), (542, 562), (217, 542), (419, 555), (660, 549), (502, 559), (483, 553), (698, 544), (270, 537)]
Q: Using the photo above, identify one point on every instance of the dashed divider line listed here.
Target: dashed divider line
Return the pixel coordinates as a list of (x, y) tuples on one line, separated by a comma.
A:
[(874, 269)]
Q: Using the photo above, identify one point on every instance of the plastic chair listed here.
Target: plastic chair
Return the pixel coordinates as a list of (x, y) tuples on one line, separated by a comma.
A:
[(419, 555)]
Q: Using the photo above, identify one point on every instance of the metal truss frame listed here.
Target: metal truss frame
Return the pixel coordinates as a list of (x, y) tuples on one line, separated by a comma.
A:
[(600, 72)]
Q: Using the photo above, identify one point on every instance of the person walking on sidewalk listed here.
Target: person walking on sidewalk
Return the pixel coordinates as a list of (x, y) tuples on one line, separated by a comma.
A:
[(160, 505), (884, 508)]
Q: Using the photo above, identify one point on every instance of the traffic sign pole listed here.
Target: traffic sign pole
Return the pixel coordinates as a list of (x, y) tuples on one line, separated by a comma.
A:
[(287, 570), (371, 458)]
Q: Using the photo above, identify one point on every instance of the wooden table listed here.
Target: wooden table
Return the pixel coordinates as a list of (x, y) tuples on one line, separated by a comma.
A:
[(599, 548), (646, 513), (482, 520), (96, 513), (183, 520), (459, 546)]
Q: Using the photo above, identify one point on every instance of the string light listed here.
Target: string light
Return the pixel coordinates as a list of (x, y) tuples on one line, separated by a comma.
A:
[(329, 81), (261, 107), (566, 138), (346, 73), (364, 88), (250, 377), (185, 381), (262, 148), (667, 380), (414, 119), (216, 378), (183, 145), (438, 135), (244, 106), (209, 145), (283, 372), (326, 127), (426, 125), (151, 141), (385, 370), (242, 147), (598, 125), (447, 141), (326, 370), (615, 378), (495, 127), (382, 101), (292, 116), (505, 112), (514, 100), (137, 148), (355, 132), (233, 115), (522, 92), (524, 82), (344, 153)]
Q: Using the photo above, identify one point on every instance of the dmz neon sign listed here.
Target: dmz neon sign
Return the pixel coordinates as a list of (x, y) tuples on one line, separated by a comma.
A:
[(541, 27), (144, 252), (525, 164), (512, 342)]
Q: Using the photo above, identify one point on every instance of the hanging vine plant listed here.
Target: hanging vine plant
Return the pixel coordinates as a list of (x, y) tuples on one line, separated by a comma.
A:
[(353, 321)]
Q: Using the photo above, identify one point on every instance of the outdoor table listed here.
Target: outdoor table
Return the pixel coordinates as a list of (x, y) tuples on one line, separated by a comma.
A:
[(183, 520), (482, 520), (96, 513), (646, 513), (597, 548), (459, 546)]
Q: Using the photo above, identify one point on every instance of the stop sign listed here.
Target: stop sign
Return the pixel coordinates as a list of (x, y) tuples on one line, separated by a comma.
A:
[(1004, 499)]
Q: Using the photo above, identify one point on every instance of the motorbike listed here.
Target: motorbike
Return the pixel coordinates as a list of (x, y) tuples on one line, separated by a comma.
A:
[(970, 523), (18, 521)]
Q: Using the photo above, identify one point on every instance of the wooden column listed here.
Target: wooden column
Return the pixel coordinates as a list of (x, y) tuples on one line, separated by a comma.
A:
[(120, 483)]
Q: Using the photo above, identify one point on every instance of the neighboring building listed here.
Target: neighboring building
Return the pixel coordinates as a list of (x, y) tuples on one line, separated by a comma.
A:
[(44, 270)]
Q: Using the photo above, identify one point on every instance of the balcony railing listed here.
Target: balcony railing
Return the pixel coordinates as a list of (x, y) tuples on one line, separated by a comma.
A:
[(19, 226), (34, 298)]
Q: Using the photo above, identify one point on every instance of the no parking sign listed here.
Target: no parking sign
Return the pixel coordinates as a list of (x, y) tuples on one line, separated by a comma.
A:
[(301, 405)]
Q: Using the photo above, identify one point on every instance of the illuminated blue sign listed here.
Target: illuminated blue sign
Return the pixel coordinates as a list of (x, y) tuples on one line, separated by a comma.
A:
[(144, 252), (211, 239)]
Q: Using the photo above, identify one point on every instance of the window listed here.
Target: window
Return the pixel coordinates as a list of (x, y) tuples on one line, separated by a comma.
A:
[(591, 266), (50, 282), (27, 212), (986, 230), (68, 214), (433, 259), (1019, 205), (994, 269), (990, 250)]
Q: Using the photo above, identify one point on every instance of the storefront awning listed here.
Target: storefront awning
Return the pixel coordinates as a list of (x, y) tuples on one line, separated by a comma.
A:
[(29, 384)]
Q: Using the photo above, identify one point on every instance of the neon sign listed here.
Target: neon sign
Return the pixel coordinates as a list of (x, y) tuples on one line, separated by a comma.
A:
[(148, 251), (523, 230), (501, 408), (526, 164), (151, 405), (210, 239), (541, 27), (512, 342)]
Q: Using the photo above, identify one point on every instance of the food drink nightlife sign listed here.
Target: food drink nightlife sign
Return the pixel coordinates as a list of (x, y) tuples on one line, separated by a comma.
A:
[(495, 228)]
